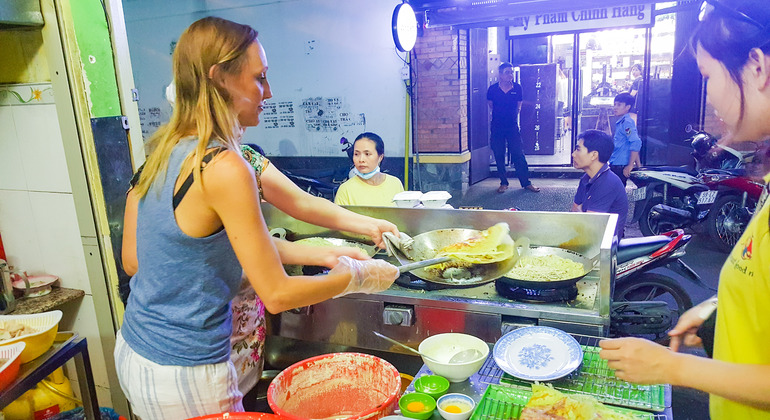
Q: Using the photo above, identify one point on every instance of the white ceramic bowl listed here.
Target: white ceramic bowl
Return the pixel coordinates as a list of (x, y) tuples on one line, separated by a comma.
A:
[(461, 401), (435, 199), (442, 347), (407, 199)]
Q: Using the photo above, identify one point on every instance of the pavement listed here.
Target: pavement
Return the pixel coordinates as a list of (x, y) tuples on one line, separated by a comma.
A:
[(556, 194)]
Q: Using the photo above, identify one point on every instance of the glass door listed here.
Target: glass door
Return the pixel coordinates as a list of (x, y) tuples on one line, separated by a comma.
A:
[(546, 75), (606, 62)]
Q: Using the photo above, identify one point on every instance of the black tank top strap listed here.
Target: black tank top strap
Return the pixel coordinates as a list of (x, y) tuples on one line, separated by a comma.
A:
[(179, 195)]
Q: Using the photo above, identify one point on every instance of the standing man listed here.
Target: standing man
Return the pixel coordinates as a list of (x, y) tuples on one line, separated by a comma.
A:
[(599, 190), (627, 142), (505, 99)]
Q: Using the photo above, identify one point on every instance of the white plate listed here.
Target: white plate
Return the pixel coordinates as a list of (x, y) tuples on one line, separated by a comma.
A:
[(639, 194), (538, 353)]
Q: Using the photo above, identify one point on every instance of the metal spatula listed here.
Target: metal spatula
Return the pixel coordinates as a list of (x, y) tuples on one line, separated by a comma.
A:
[(422, 264)]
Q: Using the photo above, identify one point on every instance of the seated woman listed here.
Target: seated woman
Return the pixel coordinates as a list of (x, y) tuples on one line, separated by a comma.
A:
[(369, 187)]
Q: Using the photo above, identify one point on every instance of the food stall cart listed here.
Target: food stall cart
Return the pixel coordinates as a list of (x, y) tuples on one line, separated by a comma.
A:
[(410, 310)]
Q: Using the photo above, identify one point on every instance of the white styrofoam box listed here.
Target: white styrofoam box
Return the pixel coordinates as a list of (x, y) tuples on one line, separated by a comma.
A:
[(41, 147), (407, 198), (435, 199)]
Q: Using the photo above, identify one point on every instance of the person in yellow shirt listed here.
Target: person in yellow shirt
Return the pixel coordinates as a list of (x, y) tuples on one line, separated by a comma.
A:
[(369, 186), (732, 47)]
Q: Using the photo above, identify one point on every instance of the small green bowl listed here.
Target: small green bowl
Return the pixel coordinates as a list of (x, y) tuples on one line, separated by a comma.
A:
[(428, 402), (433, 385)]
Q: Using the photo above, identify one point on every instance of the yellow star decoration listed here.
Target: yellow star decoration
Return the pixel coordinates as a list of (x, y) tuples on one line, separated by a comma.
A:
[(37, 95)]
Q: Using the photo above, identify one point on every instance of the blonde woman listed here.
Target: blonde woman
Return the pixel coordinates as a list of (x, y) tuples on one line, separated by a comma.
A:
[(172, 352)]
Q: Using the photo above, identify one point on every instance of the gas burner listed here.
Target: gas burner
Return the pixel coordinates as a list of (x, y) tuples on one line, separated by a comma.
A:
[(536, 295), (410, 281)]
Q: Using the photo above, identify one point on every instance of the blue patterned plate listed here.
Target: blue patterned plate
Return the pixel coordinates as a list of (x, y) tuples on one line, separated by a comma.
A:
[(538, 353)]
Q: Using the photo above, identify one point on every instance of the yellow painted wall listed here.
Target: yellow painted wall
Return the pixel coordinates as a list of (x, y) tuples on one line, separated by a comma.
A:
[(22, 57)]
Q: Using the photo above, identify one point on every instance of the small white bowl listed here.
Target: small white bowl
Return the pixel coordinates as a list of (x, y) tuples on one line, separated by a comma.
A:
[(407, 199), (435, 199), (462, 401), (442, 347)]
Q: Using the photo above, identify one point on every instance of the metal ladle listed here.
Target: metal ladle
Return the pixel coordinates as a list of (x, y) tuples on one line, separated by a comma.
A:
[(463, 356)]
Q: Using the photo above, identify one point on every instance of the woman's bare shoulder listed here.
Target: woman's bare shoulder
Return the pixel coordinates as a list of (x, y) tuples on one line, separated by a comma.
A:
[(228, 169)]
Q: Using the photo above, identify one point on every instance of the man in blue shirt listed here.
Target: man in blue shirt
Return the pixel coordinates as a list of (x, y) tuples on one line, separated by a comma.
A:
[(600, 190), (627, 141)]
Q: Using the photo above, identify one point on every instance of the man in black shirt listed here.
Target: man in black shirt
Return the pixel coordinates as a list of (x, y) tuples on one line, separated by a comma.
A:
[(505, 100)]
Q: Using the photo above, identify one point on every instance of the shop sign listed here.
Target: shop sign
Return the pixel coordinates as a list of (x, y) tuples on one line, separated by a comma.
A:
[(583, 19)]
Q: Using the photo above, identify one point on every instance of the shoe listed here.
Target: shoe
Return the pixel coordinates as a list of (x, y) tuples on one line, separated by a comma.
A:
[(501, 189), (532, 188)]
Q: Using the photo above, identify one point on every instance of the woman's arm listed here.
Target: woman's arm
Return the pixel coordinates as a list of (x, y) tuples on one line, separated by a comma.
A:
[(642, 361), (286, 196), (323, 256), (230, 190), (128, 253)]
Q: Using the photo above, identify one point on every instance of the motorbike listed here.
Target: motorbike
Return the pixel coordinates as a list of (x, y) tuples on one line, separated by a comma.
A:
[(649, 304), (735, 200), (673, 197)]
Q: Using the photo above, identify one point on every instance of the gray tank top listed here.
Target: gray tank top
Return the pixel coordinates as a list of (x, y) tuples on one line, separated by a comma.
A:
[(178, 312)]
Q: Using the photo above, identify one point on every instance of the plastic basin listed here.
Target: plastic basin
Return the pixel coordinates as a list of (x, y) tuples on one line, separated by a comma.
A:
[(10, 369), (336, 385), (238, 416), (46, 324)]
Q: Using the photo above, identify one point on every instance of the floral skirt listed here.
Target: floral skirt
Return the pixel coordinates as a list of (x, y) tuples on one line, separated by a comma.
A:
[(248, 339)]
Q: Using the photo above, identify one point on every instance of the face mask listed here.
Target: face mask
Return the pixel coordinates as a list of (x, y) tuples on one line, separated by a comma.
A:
[(369, 175)]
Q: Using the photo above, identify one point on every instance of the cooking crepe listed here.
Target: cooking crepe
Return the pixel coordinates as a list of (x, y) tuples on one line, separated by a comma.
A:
[(494, 245)]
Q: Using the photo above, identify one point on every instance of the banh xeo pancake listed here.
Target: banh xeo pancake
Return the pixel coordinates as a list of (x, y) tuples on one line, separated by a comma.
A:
[(493, 245), (545, 268), (547, 403)]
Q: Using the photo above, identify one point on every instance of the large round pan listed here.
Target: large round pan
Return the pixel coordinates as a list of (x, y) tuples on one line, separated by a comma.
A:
[(426, 246), (541, 251)]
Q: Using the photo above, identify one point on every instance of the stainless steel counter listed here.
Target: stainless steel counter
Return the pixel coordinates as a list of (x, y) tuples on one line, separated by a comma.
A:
[(411, 315)]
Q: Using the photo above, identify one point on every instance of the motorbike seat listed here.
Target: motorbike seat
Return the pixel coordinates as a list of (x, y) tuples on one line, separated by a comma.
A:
[(733, 172), (681, 169), (631, 248)]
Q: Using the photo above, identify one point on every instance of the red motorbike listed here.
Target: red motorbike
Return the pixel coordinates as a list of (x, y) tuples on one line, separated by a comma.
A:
[(735, 198)]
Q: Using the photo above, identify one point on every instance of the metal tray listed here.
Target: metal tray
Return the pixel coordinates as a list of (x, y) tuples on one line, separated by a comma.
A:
[(505, 403), (593, 377)]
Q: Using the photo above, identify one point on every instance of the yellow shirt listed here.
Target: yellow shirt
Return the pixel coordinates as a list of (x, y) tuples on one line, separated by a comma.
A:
[(356, 192), (743, 315)]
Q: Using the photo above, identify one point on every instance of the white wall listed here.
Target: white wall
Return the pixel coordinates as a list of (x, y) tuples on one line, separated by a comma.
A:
[(37, 209), (338, 49)]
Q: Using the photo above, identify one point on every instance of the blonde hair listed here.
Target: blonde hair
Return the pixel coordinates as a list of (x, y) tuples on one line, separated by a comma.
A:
[(202, 107)]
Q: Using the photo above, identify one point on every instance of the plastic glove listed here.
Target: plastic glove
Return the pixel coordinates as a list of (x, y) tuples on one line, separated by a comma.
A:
[(366, 276)]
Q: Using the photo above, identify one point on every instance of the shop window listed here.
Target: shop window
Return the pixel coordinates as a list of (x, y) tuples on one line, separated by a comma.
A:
[(660, 147), (605, 70)]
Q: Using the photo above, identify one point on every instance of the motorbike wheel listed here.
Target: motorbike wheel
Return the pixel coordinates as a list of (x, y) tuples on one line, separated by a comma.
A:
[(723, 228), (657, 287), (650, 226)]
